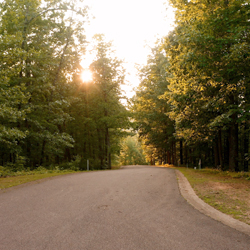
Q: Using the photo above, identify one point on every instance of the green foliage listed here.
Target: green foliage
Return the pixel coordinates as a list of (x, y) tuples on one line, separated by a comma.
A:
[(209, 89), (40, 48), (132, 152), (208, 76), (4, 172), (150, 111), (74, 165), (196, 91), (99, 119)]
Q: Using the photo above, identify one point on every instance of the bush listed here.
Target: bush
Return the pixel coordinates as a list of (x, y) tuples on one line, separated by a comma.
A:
[(4, 172), (74, 165)]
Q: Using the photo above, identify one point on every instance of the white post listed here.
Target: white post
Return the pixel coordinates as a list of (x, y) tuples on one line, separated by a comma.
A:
[(87, 165)]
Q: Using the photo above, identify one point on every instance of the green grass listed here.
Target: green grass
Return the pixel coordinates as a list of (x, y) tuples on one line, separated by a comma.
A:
[(199, 176), (12, 181)]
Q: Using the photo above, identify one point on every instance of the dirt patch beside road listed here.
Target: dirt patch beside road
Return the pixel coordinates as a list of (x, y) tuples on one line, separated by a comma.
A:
[(232, 199)]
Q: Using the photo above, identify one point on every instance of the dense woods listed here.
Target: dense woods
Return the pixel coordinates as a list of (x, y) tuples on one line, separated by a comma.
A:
[(199, 78), (48, 115), (192, 105)]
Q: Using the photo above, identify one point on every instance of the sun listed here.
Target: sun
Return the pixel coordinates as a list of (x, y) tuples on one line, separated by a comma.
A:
[(86, 76)]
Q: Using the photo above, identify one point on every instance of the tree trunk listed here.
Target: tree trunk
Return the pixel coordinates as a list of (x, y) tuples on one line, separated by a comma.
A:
[(181, 152), (169, 157), (164, 156), (101, 158), (107, 149), (42, 152), (152, 160), (190, 154), (186, 155), (67, 155), (220, 151), (246, 146), (233, 145), (226, 151), (216, 153), (174, 152)]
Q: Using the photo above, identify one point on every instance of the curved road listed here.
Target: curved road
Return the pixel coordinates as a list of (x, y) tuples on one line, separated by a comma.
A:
[(137, 207)]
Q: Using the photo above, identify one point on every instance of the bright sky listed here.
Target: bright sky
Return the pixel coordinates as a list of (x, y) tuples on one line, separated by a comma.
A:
[(133, 26)]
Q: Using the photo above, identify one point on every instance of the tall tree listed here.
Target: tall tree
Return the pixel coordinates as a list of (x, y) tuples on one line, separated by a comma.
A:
[(99, 118), (41, 44), (209, 54), (108, 75), (150, 111)]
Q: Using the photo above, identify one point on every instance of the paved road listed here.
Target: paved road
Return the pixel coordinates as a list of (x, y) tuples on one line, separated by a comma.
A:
[(134, 208)]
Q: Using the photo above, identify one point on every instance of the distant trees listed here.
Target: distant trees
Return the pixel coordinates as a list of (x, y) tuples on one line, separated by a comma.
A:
[(132, 152), (47, 115), (150, 111), (208, 82), (99, 116)]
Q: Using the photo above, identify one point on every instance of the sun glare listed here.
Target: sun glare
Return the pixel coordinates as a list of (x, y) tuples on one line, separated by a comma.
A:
[(86, 76), (131, 37)]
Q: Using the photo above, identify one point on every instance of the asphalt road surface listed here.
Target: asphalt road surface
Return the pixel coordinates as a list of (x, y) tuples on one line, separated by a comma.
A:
[(137, 207)]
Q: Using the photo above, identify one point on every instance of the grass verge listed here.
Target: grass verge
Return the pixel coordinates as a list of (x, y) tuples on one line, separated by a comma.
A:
[(227, 192), (12, 181)]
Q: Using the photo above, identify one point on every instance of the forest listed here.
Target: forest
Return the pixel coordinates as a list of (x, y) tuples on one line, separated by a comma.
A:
[(191, 107), (48, 115)]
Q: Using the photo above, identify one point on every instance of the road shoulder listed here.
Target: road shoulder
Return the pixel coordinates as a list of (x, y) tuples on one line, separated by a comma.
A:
[(188, 193)]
